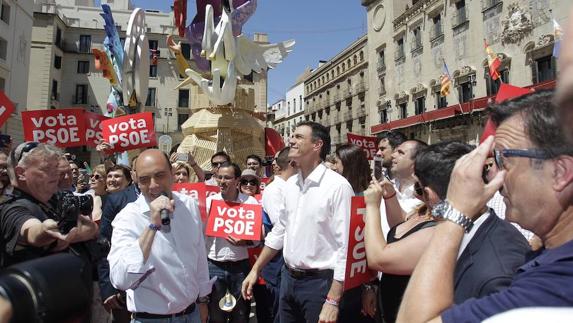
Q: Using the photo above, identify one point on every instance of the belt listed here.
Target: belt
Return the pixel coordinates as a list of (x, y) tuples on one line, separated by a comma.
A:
[(143, 315), (302, 273)]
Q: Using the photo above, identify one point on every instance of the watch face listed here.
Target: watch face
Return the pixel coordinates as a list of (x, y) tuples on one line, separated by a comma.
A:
[(439, 209)]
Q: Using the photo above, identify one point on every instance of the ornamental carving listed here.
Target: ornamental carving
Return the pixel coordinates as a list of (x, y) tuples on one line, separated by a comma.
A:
[(418, 88), (545, 40), (466, 70), (516, 25)]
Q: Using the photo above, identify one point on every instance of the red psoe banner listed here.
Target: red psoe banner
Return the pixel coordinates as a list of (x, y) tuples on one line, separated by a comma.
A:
[(198, 191), (94, 133), (129, 132), (365, 142), (6, 107), (241, 221), (62, 128), (357, 272), (264, 183)]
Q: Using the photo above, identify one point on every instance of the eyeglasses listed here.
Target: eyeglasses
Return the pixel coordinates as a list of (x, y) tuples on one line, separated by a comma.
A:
[(17, 155), (526, 153), (253, 164), (418, 189), (249, 182), (215, 165)]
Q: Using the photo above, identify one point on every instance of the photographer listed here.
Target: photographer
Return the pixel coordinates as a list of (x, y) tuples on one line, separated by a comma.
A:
[(28, 221)]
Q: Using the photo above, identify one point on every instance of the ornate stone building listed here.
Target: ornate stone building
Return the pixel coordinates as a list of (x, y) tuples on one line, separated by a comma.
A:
[(336, 92), (409, 41)]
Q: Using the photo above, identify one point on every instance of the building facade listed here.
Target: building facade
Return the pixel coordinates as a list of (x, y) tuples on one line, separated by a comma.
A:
[(62, 71), (16, 20), (410, 42), (336, 92)]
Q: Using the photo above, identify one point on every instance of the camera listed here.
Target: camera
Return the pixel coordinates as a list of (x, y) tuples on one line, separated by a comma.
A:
[(71, 206), (56, 288)]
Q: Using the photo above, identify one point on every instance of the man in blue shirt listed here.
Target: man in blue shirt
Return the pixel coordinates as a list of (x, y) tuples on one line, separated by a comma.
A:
[(534, 173)]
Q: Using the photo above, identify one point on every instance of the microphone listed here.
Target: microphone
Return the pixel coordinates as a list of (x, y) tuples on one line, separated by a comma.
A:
[(164, 213)]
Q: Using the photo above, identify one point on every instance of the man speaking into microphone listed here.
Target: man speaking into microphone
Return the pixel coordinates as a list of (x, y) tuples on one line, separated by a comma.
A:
[(158, 251)]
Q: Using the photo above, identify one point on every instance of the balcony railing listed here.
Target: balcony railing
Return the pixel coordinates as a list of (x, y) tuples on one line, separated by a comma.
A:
[(399, 54), (360, 87), (381, 67), (347, 115), (347, 93), (487, 4), (460, 17)]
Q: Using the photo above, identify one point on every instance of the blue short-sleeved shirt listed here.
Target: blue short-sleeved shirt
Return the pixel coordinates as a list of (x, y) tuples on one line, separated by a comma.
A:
[(547, 280)]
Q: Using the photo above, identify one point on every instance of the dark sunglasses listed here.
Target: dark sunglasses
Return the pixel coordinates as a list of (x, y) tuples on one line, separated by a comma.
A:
[(17, 155), (525, 153), (249, 182), (217, 164), (418, 189), (97, 177)]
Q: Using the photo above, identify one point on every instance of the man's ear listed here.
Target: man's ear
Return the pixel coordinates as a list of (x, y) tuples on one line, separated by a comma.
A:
[(318, 144), (20, 173), (562, 173), (431, 196)]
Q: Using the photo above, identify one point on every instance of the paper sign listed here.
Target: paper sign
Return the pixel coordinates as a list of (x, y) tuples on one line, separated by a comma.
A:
[(198, 191), (94, 133), (6, 108), (62, 128), (364, 142), (242, 221), (357, 272), (130, 132)]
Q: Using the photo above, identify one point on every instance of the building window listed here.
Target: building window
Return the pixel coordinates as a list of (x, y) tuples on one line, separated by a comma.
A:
[(58, 37), (399, 49), (183, 98), (85, 43), (466, 92), (150, 101), (81, 94), (543, 69), (153, 44), (3, 48), (493, 86), (436, 30), (420, 105), (403, 110), (381, 67), (5, 14), (441, 101), (83, 67), (58, 62), (152, 70), (181, 118), (122, 41), (417, 40), (2, 84), (300, 102), (55, 95), (460, 16), (383, 116)]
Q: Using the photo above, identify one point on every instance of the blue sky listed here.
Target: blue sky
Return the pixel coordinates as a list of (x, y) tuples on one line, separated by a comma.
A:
[(321, 28)]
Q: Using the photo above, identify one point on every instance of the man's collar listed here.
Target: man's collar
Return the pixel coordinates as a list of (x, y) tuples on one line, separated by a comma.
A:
[(549, 256), (315, 176)]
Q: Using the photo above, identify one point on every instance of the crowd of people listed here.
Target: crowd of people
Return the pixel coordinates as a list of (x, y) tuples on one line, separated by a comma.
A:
[(457, 233)]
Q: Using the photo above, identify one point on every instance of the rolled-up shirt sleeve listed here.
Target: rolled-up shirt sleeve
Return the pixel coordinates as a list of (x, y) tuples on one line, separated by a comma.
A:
[(205, 286), (341, 204), (275, 239), (125, 257)]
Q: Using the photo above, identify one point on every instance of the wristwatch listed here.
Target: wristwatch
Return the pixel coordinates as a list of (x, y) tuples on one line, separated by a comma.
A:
[(444, 210)]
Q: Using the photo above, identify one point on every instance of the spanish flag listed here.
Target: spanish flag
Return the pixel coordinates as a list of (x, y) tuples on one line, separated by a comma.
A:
[(446, 81), (493, 62)]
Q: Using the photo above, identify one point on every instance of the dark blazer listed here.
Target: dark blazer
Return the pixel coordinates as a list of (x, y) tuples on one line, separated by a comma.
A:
[(491, 258), (114, 203)]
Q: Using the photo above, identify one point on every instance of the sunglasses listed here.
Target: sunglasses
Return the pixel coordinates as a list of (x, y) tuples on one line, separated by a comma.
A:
[(97, 177), (215, 165), (17, 155), (525, 153), (249, 182)]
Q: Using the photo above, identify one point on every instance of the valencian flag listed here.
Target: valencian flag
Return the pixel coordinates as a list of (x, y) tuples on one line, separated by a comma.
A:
[(557, 35), (492, 61), (446, 81)]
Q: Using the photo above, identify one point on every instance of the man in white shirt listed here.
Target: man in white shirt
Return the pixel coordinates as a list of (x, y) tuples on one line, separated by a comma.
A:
[(312, 231), (273, 199), (162, 267), (388, 141), (228, 258)]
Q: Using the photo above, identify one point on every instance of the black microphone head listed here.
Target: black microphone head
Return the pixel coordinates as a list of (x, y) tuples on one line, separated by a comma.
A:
[(165, 220)]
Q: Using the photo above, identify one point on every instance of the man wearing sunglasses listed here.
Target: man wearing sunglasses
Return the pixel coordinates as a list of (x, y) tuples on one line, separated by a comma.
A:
[(217, 159), (534, 171), (28, 229)]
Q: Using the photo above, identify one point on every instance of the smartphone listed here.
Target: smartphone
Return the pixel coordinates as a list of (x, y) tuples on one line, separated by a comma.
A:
[(182, 157), (378, 169)]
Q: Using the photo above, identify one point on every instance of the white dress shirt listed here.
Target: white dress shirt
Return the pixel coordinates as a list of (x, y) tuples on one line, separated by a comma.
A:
[(314, 221), (273, 198), (220, 249), (407, 200), (469, 235), (175, 273), (498, 205)]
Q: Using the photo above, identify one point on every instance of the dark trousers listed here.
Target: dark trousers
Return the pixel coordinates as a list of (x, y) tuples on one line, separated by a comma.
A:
[(230, 276), (351, 307), (301, 299), (274, 296)]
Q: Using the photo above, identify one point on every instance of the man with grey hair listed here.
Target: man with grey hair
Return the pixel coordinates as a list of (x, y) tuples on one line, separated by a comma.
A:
[(28, 228)]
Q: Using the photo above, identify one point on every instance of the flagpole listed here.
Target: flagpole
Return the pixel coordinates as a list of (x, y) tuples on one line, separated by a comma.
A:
[(452, 81)]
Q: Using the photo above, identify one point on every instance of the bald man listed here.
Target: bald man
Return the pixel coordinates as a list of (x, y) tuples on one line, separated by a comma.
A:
[(162, 267)]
